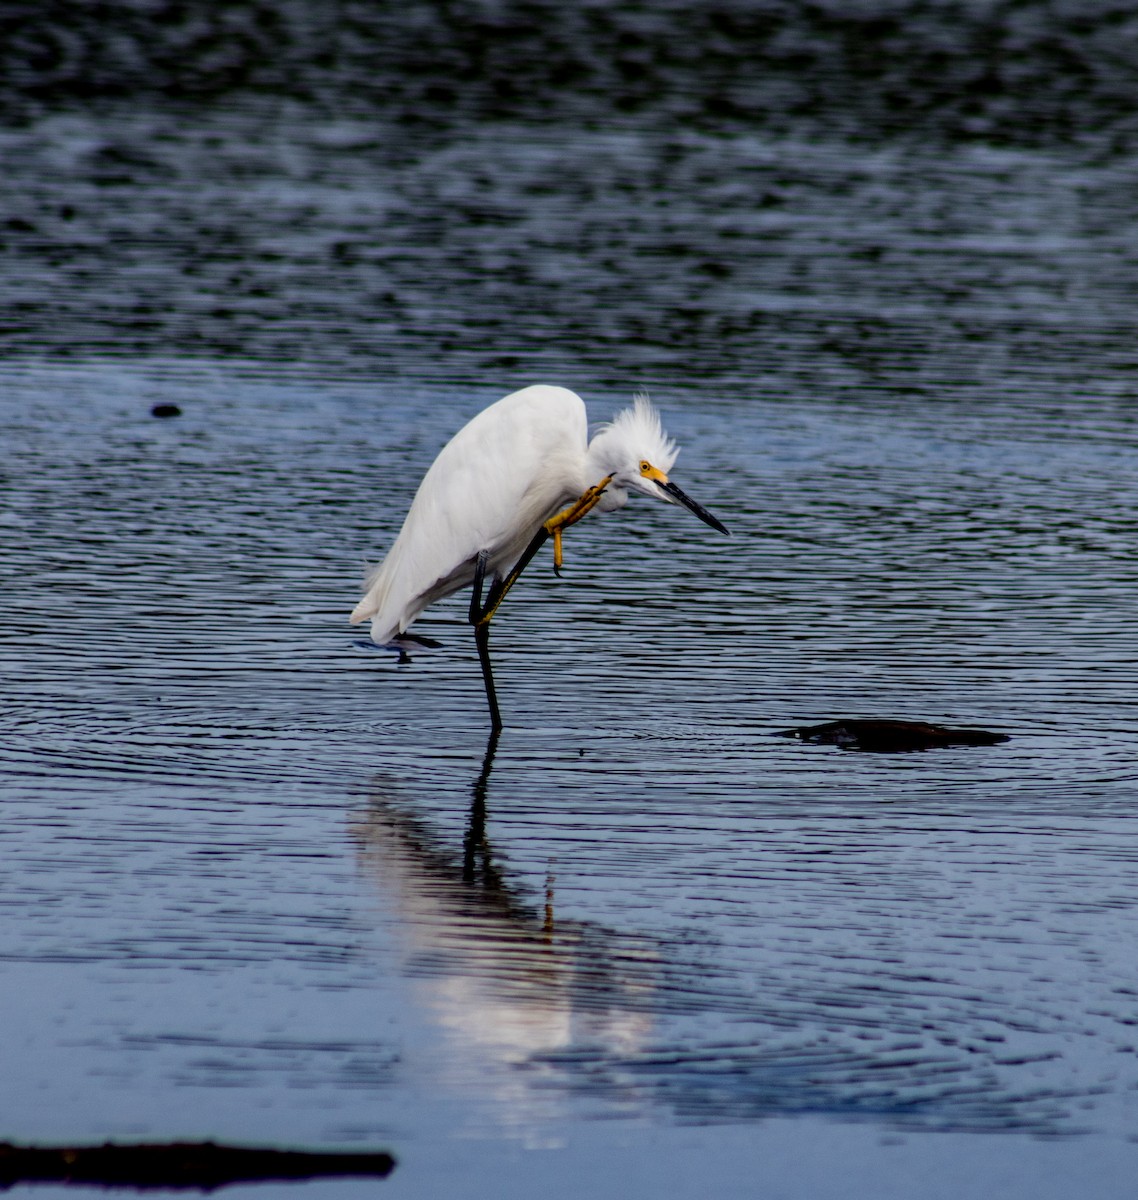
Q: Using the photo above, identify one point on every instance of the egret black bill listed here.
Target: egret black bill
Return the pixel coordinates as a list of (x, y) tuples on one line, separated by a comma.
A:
[(681, 497)]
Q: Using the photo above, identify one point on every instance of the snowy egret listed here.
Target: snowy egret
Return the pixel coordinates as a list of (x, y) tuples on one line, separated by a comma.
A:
[(520, 472)]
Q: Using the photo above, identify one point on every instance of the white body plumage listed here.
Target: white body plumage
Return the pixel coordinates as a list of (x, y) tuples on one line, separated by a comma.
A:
[(497, 480)]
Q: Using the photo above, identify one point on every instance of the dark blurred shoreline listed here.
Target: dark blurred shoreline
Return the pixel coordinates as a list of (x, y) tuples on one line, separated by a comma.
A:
[(1028, 74), (835, 197)]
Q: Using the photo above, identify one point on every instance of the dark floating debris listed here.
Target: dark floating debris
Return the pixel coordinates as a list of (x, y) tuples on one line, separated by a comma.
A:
[(166, 410), (885, 737), (200, 1166)]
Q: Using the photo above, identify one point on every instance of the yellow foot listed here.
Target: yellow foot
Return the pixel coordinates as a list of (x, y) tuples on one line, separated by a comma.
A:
[(571, 515)]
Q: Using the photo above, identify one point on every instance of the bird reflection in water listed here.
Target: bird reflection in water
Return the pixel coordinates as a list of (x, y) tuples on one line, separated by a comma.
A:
[(504, 979), (477, 856), (477, 861)]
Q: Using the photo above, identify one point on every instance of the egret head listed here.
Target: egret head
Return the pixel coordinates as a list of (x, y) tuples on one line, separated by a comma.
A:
[(636, 451)]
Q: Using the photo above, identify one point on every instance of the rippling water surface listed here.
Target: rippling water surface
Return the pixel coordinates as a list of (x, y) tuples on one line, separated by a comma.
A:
[(260, 883), (875, 263)]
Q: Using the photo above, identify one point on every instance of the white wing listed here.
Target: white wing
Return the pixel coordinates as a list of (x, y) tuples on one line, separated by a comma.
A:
[(490, 488)]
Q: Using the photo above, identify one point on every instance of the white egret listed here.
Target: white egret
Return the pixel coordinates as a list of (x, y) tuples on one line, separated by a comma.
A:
[(519, 472)]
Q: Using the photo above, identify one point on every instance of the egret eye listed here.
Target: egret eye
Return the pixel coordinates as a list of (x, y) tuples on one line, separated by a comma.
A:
[(645, 466)]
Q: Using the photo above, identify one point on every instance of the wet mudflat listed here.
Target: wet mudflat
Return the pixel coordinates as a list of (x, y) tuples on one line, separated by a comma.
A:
[(263, 887)]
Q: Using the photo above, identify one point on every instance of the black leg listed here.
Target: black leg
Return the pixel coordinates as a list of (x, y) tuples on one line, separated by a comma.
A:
[(482, 637), (482, 641), (500, 587), (476, 590), (481, 614)]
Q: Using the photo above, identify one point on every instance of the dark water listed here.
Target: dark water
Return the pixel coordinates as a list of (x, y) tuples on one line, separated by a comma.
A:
[(875, 263), (824, 198)]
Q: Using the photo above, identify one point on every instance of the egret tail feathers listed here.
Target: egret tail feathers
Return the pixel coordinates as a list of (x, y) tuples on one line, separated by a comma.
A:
[(393, 599), (375, 601)]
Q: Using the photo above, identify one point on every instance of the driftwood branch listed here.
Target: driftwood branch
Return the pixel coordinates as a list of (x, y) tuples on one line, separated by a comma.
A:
[(201, 1166)]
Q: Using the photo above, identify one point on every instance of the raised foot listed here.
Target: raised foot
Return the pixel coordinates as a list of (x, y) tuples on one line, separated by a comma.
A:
[(571, 515)]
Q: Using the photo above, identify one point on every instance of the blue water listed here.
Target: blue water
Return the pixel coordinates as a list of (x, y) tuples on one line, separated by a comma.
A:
[(875, 265), (262, 885)]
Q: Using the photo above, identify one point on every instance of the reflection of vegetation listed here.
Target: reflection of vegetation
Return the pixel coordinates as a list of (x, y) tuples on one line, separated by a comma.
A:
[(168, 1165)]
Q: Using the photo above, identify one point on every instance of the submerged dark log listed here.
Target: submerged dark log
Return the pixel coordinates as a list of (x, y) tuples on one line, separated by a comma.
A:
[(201, 1166), (885, 736)]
